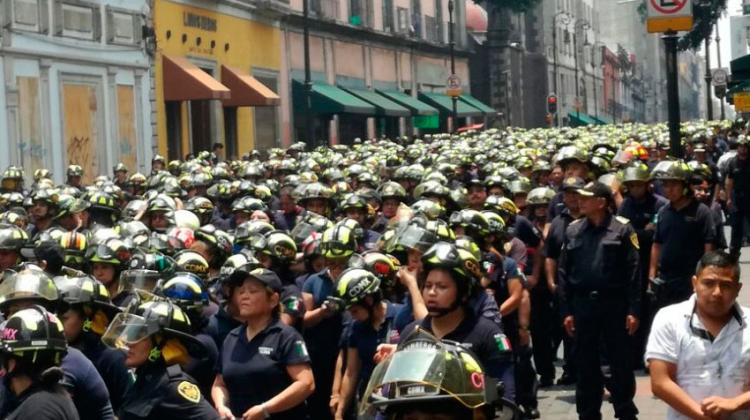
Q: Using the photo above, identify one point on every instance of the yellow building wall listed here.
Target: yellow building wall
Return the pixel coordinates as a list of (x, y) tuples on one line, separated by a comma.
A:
[(250, 44)]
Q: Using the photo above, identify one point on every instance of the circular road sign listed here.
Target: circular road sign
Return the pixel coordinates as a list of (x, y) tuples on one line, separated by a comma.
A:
[(668, 7)]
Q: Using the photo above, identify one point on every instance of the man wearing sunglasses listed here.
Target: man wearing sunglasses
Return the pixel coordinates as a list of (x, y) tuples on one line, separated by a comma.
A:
[(699, 350)]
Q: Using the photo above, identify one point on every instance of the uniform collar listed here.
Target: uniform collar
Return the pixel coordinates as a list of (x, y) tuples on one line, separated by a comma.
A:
[(274, 325)]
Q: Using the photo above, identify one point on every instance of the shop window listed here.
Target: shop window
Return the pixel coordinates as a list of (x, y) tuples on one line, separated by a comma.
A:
[(267, 133)]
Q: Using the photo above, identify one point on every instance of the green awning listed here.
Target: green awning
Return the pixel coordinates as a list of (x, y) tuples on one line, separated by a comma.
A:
[(327, 99), (476, 103), (445, 104), (742, 86), (740, 67), (416, 106), (601, 119), (383, 106), (580, 118)]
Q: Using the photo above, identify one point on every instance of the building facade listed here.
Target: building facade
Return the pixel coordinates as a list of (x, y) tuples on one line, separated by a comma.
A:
[(217, 71), (74, 85)]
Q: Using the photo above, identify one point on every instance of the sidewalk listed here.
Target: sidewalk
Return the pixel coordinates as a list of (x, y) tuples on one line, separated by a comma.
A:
[(559, 403)]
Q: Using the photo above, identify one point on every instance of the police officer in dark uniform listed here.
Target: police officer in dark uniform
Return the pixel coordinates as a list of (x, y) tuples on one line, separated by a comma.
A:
[(85, 310), (737, 186), (600, 301), (544, 353), (640, 207), (264, 369), (157, 338), (684, 232), (188, 291)]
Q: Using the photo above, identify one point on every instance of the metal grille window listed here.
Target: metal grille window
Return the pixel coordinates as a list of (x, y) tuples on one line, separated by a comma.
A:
[(326, 9), (431, 29), (388, 23), (403, 20)]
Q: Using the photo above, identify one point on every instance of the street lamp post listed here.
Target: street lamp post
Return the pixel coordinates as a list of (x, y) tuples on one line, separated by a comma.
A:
[(451, 43), (308, 83), (718, 65), (554, 56), (583, 23), (707, 77)]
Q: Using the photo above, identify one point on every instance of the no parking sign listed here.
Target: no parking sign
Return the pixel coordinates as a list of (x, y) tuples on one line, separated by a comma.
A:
[(669, 15)]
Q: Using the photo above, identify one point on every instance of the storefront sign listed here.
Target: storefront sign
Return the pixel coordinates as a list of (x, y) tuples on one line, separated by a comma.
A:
[(197, 21)]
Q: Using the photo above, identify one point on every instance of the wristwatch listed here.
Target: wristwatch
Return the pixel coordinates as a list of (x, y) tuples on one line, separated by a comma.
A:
[(523, 327), (266, 414)]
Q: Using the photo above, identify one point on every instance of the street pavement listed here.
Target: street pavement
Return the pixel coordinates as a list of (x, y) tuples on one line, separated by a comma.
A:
[(559, 403)]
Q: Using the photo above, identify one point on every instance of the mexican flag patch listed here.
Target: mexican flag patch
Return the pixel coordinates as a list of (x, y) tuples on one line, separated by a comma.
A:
[(300, 349), (503, 344)]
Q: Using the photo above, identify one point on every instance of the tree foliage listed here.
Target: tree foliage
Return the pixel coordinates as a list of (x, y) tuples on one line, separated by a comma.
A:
[(705, 14)]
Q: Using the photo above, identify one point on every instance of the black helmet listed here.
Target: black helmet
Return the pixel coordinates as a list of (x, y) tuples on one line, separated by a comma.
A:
[(164, 322), (473, 222), (89, 294), (637, 172), (35, 336), (461, 263), (431, 375), (676, 170), (252, 234), (185, 289), (356, 284), (28, 284), (12, 237)]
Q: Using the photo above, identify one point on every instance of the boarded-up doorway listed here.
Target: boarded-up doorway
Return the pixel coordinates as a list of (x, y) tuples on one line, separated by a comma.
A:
[(81, 127)]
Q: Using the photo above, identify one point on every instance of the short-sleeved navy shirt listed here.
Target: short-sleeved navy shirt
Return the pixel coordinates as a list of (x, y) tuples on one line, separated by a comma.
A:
[(556, 234), (682, 234), (255, 371), (366, 340), (323, 338), (90, 394), (485, 339)]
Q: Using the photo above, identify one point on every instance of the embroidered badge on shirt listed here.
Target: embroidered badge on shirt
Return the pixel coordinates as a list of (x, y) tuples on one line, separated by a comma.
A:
[(189, 391), (300, 348), (634, 240)]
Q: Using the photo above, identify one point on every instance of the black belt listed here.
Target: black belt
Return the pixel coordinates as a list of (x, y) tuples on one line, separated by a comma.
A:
[(599, 294)]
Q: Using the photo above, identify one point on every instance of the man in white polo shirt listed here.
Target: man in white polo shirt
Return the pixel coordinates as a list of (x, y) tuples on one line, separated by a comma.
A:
[(698, 351)]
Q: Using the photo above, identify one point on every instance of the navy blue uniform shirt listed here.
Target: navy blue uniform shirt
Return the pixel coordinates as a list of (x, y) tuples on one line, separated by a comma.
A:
[(255, 371), (682, 235), (365, 339), (89, 391)]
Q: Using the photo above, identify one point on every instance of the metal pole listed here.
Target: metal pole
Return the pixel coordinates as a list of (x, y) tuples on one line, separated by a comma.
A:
[(575, 70), (593, 77), (309, 134), (673, 95), (718, 65), (709, 107), (554, 61), (454, 99)]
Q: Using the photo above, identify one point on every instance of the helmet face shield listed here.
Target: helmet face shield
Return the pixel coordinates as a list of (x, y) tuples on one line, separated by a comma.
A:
[(125, 330), (139, 279), (27, 285)]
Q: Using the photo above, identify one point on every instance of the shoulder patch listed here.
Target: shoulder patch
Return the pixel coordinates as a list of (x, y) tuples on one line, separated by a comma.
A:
[(634, 240), (623, 220), (189, 391)]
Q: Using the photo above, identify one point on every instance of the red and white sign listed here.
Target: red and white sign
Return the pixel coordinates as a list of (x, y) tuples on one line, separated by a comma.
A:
[(669, 15)]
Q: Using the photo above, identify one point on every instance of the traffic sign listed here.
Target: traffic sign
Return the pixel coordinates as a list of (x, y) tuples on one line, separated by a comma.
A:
[(719, 76), (669, 15), (453, 85), (742, 101)]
